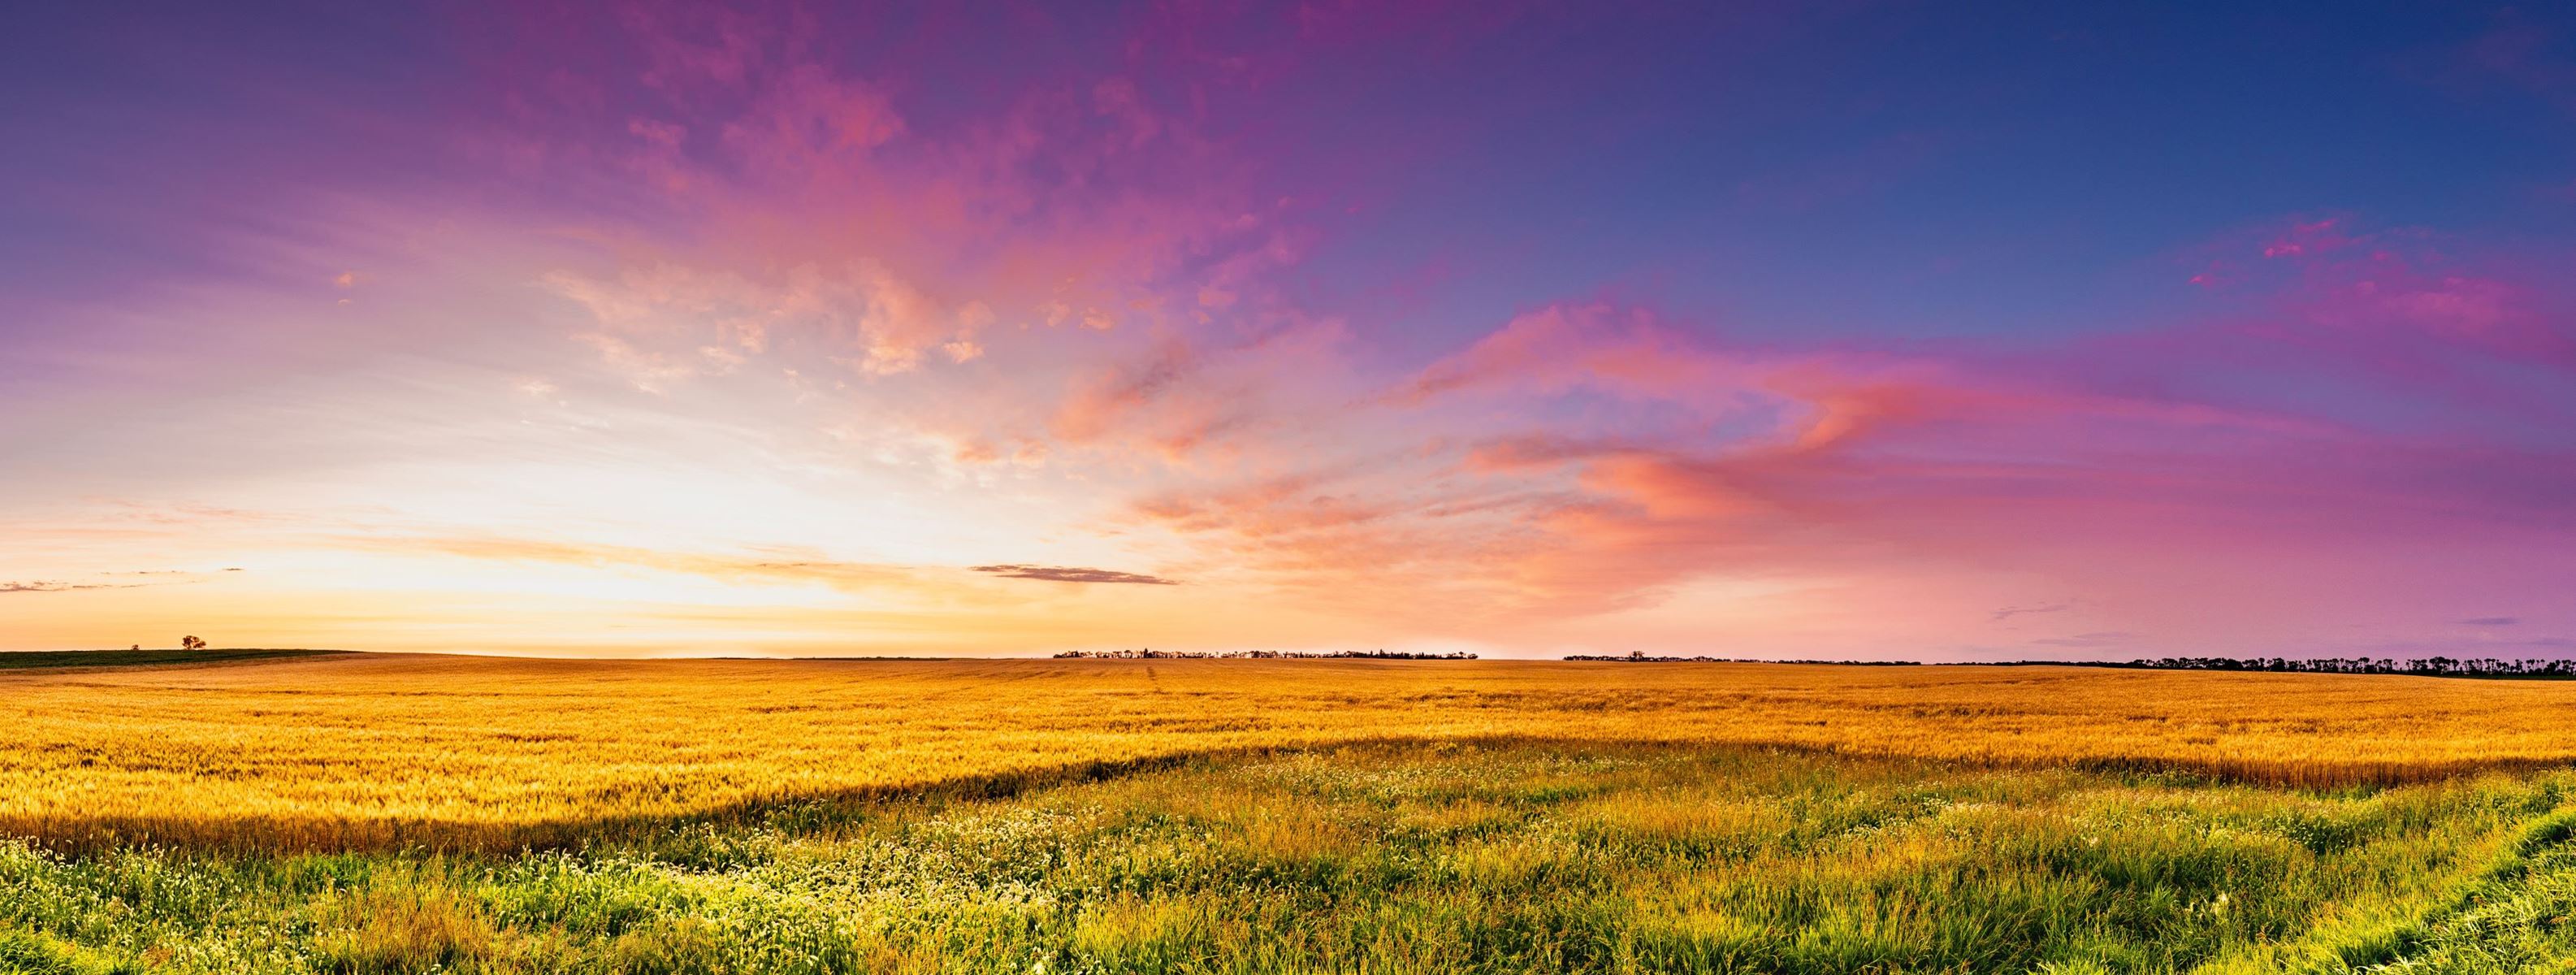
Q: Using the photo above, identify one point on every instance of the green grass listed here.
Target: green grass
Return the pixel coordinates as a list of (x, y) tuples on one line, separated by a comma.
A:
[(2519, 917), (1504, 858), (46, 659)]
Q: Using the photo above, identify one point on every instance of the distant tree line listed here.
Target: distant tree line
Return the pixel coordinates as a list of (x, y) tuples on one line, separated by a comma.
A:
[(1642, 657), (1257, 655), (2417, 667)]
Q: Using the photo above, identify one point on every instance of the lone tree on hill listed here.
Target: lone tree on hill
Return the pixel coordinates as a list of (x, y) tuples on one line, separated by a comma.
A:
[(191, 643)]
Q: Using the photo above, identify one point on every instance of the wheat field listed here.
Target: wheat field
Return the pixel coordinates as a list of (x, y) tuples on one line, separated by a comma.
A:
[(408, 815), (362, 750)]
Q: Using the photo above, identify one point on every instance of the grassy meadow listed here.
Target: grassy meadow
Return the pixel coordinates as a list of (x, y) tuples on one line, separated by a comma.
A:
[(392, 814)]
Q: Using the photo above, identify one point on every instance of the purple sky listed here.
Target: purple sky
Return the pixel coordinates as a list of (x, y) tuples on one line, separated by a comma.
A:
[(1853, 330)]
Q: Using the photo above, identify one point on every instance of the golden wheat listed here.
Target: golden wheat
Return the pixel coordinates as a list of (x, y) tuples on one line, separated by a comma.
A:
[(369, 750)]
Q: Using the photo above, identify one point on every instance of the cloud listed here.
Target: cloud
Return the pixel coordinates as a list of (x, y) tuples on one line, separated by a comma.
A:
[(44, 586), (2009, 612), (2491, 621), (767, 566), (1592, 457), (1182, 402), (792, 207), (1621, 351), (2087, 640), (2528, 56), (1064, 574), (674, 320)]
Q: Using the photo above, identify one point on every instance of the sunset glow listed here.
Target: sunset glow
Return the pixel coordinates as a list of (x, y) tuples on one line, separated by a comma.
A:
[(681, 330)]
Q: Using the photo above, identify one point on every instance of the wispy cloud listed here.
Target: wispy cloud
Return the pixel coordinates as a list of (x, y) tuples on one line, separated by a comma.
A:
[(768, 566), (1057, 573), (2009, 612), (2087, 640), (44, 586), (2491, 621)]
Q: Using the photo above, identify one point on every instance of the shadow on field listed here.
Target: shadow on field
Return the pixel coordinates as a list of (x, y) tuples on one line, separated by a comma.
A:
[(822, 810), (55, 661)]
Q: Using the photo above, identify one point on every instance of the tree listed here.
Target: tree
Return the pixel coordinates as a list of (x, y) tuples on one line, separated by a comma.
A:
[(191, 643)]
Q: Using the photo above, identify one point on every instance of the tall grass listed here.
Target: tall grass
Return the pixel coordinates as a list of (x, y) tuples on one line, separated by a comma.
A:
[(2520, 916), (1438, 858)]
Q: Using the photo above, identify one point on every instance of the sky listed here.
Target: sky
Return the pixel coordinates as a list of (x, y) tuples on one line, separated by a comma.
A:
[(1842, 330)]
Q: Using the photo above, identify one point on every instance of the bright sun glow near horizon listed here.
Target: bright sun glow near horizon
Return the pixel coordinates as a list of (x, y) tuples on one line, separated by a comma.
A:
[(685, 330)]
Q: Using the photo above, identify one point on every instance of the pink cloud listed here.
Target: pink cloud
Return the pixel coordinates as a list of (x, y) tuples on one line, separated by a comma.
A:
[(1561, 348), (2152, 466), (2309, 239), (804, 207)]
